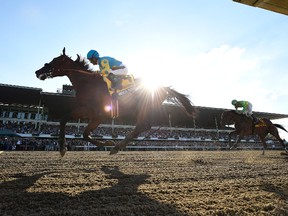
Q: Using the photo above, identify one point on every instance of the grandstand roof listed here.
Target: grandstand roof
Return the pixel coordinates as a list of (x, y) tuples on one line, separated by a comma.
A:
[(59, 104), (278, 6), (12, 94)]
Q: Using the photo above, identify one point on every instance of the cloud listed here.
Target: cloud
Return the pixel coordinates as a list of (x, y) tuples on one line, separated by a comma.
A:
[(218, 76), (215, 77)]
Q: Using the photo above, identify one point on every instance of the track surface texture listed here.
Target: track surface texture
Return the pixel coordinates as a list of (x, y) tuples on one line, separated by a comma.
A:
[(139, 183)]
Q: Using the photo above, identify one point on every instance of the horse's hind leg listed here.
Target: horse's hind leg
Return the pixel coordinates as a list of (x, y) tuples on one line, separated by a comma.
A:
[(275, 133), (138, 129), (61, 140), (262, 138), (236, 142), (92, 125)]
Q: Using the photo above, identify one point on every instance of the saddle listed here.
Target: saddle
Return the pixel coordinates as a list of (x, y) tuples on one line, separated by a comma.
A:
[(118, 83), (260, 123), (254, 119)]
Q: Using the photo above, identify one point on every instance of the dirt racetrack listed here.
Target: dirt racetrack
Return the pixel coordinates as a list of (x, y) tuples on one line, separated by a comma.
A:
[(144, 183)]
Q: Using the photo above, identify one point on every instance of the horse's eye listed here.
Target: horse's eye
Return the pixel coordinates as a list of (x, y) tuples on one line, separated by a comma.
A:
[(47, 65)]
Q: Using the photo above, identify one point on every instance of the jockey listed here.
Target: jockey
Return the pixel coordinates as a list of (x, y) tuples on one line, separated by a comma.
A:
[(246, 108), (109, 67)]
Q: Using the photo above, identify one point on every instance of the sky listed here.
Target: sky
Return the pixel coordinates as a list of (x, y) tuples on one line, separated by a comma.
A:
[(213, 51)]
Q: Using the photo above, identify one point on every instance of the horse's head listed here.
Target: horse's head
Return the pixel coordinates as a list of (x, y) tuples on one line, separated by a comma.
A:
[(56, 67)]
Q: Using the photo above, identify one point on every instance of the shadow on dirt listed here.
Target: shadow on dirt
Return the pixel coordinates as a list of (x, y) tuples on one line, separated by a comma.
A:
[(280, 192), (122, 198)]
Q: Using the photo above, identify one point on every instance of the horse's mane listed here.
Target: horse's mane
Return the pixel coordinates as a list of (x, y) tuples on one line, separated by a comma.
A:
[(82, 62), (233, 111), (238, 114)]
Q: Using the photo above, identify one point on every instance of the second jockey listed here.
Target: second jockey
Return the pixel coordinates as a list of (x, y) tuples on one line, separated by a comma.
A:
[(246, 108)]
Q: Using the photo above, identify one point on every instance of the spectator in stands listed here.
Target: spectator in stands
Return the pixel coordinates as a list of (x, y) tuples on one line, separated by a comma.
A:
[(18, 143)]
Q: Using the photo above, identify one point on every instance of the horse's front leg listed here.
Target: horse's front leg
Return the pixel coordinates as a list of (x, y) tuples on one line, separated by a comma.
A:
[(236, 142), (264, 144), (229, 140), (62, 140), (75, 114), (234, 133), (92, 125), (138, 129)]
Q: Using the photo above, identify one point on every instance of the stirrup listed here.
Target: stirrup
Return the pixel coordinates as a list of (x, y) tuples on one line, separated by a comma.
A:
[(115, 81), (116, 84)]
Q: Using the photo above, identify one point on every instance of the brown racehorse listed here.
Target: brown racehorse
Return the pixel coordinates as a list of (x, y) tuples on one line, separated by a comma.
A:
[(244, 126), (92, 97)]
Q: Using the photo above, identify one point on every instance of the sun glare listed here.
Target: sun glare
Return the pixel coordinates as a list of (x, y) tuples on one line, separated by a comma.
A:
[(107, 108), (154, 73), (151, 84)]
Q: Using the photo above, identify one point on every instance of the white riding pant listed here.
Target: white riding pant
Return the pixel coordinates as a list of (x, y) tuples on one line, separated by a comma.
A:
[(123, 71), (248, 111)]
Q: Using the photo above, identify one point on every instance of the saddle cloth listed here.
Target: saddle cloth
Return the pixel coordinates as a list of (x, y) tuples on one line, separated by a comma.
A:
[(126, 82), (260, 123)]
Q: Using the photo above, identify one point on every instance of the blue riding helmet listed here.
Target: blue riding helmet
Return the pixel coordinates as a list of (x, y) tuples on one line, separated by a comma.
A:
[(92, 54)]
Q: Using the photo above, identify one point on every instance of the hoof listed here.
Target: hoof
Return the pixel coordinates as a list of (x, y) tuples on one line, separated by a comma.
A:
[(63, 151), (114, 151), (109, 143)]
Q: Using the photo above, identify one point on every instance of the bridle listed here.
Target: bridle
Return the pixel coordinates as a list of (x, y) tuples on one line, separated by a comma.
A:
[(51, 70)]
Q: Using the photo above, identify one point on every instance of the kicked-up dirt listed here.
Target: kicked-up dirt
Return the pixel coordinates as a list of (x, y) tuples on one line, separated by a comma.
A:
[(136, 183)]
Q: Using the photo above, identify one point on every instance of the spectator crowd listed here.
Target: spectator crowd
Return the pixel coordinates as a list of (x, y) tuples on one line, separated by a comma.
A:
[(158, 138)]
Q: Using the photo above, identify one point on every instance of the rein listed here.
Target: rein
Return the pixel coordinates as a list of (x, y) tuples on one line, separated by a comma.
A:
[(50, 72), (80, 71)]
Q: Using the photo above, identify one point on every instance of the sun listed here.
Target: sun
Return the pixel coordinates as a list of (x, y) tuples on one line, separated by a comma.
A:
[(154, 72), (151, 79), (151, 84)]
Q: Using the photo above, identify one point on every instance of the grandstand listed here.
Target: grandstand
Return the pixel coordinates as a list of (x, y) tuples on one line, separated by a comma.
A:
[(34, 115), (278, 6)]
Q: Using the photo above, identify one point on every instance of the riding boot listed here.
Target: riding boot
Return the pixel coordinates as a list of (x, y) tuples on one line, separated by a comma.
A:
[(115, 81), (255, 119)]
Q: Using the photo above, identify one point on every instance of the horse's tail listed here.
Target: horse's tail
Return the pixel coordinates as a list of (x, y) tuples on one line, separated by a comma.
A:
[(280, 126), (182, 100)]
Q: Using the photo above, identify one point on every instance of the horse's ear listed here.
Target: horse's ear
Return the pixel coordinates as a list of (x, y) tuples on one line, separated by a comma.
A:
[(64, 51), (78, 57)]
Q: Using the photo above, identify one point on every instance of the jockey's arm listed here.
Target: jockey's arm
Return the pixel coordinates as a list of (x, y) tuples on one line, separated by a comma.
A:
[(117, 67), (244, 109), (104, 67)]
